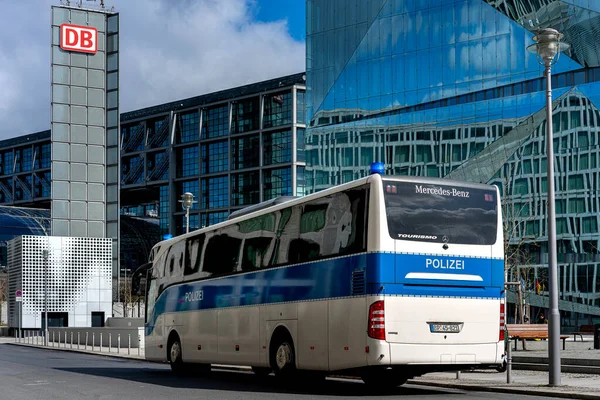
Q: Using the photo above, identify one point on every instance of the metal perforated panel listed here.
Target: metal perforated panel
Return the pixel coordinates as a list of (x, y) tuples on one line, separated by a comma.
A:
[(77, 273)]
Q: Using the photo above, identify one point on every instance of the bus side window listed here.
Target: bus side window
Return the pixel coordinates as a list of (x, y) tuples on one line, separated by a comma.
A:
[(255, 253), (221, 254), (303, 250), (193, 254)]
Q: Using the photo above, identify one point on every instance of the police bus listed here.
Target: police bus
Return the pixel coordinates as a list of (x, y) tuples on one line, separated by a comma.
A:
[(385, 277)]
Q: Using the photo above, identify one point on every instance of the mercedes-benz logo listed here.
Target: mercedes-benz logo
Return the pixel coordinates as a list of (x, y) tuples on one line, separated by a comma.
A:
[(445, 239)]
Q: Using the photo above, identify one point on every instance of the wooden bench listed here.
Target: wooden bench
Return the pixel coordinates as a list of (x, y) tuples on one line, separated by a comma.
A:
[(583, 330), (529, 331)]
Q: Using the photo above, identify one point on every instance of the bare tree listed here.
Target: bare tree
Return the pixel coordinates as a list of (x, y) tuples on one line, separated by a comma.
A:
[(128, 298), (3, 289), (517, 249)]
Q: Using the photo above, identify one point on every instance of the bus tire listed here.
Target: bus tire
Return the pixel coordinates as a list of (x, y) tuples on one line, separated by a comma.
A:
[(383, 378), (174, 354), (283, 356)]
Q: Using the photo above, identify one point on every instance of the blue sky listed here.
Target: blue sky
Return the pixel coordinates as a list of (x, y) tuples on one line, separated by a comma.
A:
[(170, 50), (292, 10)]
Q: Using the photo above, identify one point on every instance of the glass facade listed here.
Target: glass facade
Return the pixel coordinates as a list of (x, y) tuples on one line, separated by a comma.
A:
[(230, 149), (25, 170), (446, 88)]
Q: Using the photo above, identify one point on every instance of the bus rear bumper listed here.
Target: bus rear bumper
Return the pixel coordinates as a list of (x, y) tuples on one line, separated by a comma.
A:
[(448, 355)]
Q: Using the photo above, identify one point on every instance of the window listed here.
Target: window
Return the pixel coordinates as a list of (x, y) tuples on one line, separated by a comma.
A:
[(214, 192), (158, 132), (330, 226), (187, 161), (221, 253), (187, 127), (132, 137), (245, 189), (214, 157), (277, 109), (277, 182), (245, 115), (277, 147), (193, 254), (217, 121), (415, 210), (300, 145), (157, 165), (300, 107), (255, 253), (245, 152)]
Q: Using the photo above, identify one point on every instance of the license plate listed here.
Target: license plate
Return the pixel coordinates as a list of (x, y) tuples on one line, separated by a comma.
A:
[(446, 328)]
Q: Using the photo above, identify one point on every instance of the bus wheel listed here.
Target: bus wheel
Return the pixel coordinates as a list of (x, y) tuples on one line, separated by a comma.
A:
[(282, 357), (175, 359), (383, 379)]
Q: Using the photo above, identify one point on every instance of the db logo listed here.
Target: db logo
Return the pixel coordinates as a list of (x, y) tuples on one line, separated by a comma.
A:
[(78, 38)]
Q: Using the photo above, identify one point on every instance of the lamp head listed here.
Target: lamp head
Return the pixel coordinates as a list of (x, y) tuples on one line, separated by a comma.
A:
[(187, 200), (547, 44)]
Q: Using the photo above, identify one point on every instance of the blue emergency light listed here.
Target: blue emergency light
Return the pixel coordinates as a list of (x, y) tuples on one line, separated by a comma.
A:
[(377, 168)]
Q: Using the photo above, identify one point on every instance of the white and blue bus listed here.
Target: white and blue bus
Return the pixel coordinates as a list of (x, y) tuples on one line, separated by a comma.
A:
[(385, 277)]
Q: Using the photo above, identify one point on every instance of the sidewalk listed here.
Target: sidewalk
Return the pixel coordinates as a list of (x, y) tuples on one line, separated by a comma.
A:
[(573, 385)]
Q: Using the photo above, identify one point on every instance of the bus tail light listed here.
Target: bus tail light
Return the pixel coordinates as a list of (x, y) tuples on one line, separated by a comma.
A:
[(377, 321), (501, 336)]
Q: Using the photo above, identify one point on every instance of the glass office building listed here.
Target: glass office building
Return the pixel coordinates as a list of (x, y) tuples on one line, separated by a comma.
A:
[(446, 88), (231, 149)]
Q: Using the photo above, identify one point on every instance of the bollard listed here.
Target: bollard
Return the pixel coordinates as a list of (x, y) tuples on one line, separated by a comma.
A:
[(15, 335), (457, 374), (78, 341), (100, 342), (52, 338), (119, 343), (129, 344), (86, 340), (139, 343), (93, 340), (109, 342), (509, 364), (71, 340)]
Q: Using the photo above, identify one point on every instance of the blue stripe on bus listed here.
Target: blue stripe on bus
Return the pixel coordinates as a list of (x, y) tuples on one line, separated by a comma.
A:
[(327, 279)]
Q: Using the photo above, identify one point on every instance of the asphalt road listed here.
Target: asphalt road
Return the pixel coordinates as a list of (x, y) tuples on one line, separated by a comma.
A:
[(28, 373)]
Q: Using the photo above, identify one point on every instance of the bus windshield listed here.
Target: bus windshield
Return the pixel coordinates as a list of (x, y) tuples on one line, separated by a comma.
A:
[(439, 213)]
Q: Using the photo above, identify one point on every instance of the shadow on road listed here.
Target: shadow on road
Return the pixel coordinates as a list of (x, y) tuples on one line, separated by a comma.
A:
[(247, 382)]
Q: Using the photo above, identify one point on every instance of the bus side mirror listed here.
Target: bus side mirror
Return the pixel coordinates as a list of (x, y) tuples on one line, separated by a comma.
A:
[(138, 280)]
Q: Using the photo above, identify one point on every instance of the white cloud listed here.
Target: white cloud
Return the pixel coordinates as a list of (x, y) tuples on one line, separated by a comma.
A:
[(169, 50)]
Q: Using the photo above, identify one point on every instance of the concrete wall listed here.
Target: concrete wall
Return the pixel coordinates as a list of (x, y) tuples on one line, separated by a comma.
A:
[(124, 323)]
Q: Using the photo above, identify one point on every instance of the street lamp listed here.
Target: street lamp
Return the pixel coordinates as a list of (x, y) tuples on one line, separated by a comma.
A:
[(547, 46), (45, 256), (187, 200)]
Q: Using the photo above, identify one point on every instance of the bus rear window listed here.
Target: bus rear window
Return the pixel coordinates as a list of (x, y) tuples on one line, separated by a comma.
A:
[(438, 213)]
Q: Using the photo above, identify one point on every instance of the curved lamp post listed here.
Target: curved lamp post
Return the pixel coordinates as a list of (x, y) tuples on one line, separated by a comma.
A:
[(547, 46), (187, 200)]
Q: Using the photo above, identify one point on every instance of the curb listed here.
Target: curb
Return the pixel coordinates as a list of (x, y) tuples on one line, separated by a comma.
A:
[(83, 351), (508, 389)]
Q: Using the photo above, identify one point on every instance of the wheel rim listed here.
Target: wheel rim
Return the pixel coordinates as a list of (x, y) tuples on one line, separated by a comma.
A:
[(283, 356), (175, 351)]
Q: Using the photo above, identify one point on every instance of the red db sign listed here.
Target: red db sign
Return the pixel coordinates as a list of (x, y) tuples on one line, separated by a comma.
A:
[(78, 38)]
